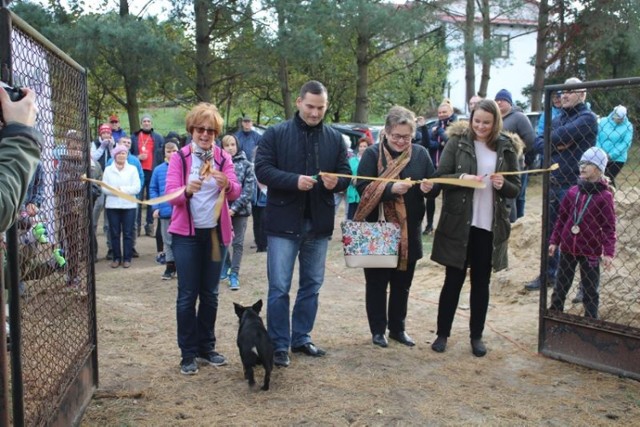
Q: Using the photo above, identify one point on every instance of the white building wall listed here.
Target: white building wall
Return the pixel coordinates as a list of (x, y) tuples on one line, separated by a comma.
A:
[(513, 73)]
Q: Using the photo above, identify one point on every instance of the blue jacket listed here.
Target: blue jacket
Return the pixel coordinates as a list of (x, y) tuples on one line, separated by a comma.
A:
[(248, 142), (555, 112), (288, 150), (615, 138), (157, 189), (572, 133)]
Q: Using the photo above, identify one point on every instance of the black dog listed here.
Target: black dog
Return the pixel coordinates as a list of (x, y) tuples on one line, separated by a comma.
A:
[(254, 343)]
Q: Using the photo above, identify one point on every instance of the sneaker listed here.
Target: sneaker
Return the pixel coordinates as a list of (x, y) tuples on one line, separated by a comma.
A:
[(161, 258), (188, 366), (135, 253), (281, 358), (234, 284), (167, 275), (224, 275), (213, 359)]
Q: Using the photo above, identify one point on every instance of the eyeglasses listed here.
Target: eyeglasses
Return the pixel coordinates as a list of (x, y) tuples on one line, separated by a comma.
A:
[(209, 131), (569, 92), (405, 138)]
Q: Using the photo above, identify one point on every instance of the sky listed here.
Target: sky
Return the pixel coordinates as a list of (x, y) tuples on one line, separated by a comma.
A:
[(154, 8)]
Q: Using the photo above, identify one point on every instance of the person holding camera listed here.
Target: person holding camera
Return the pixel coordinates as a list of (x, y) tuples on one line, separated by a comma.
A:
[(20, 146)]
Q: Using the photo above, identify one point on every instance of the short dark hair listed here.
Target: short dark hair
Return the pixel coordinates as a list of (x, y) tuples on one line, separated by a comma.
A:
[(314, 87)]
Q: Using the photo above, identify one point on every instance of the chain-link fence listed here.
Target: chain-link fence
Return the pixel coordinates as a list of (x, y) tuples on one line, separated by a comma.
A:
[(592, 306), (52, 303)]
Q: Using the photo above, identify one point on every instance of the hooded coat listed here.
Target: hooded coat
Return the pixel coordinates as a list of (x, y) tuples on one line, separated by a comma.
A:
[(615, 138), (452, 234)]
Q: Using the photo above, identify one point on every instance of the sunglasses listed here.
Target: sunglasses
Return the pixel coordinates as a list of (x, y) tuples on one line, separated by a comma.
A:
[(201, 129)]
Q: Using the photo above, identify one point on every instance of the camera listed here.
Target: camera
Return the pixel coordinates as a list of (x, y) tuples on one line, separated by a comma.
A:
[(15, 94)]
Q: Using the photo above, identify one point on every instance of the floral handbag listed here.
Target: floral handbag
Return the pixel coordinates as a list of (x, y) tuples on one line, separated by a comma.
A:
[(371, 244)]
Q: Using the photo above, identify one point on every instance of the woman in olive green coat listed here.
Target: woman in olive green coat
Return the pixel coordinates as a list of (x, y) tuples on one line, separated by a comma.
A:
[(473, 230)]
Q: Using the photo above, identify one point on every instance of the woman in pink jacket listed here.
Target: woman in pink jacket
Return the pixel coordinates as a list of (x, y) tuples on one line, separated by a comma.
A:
[(201, 231)]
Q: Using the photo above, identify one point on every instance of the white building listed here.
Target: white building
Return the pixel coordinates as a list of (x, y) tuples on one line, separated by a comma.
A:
[(515, 27)]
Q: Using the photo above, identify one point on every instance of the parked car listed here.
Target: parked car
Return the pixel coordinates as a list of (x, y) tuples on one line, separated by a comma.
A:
[(355, 131)]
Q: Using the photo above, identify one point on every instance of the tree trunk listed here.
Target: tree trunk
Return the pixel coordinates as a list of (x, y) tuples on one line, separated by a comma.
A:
[(486, 57), (133, 110), (361, 114), (203, 83), (283, 70), (469, 56), (541, 56), (124, 8)]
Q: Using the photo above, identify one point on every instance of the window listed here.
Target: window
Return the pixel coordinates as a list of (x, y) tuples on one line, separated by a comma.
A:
[(502, 45)]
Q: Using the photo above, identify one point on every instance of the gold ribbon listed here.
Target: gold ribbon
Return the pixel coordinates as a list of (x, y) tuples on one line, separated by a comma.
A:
[(133, 199), (524, 172), (449, 181), (215, 242)]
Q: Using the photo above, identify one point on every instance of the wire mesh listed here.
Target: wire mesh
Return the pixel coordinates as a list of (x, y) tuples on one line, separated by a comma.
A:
[(54, 232), (591, 219)]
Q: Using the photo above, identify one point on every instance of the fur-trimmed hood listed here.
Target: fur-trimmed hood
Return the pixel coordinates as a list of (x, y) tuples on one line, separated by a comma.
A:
[(461, 129)]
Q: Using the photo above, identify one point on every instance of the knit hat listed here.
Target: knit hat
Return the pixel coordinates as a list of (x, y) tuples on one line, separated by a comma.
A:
[(597, 156), (119, 149), (105, 127), (114, 118), (620, 111), (146, 116), (505, 95)]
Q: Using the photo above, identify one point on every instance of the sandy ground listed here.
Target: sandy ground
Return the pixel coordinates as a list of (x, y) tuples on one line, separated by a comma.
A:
[(356, 383)]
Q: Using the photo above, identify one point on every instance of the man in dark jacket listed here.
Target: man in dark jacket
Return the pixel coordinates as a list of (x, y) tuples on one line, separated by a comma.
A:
[(299, 216), (516, 122), (149, 147), (573, 132)]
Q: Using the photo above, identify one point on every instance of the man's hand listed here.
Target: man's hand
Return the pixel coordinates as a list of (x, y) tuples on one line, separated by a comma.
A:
[(23, 111), (329, 181), (306, 183)]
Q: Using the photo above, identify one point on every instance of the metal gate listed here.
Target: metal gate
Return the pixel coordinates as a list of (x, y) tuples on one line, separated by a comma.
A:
[(49, 272), (600, 327)]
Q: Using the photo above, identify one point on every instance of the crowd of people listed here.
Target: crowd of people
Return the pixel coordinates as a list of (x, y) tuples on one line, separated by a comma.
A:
[(275, 179)]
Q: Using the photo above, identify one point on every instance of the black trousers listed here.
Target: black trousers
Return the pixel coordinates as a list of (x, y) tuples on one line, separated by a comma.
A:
[(478, 261), (398, 282), (431, 210), (589, 280)]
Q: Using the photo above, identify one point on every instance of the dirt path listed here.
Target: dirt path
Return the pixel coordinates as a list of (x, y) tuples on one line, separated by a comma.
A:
[(357, 383)]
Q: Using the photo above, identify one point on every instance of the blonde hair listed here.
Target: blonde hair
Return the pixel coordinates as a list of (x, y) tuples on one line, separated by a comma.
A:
[(204, 112), (228, 137), (447, 103)]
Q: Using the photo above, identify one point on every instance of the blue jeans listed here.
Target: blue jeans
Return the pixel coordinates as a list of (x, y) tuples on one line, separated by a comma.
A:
[(281, 258), (121, 223), (198, 277), (556, 194), (521, 199)]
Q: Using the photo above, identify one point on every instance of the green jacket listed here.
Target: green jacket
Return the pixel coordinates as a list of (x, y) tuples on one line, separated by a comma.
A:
[(19, 157), (452, 234)]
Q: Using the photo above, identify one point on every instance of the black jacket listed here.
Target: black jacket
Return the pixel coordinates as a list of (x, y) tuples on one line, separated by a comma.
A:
[(285, 152)]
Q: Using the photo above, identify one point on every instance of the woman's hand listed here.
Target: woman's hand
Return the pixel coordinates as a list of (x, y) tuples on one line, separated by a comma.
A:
[(401, 187), (193, 187), (221, 179), (497, 181), (156, 213), (426, 186), (552, 249)]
